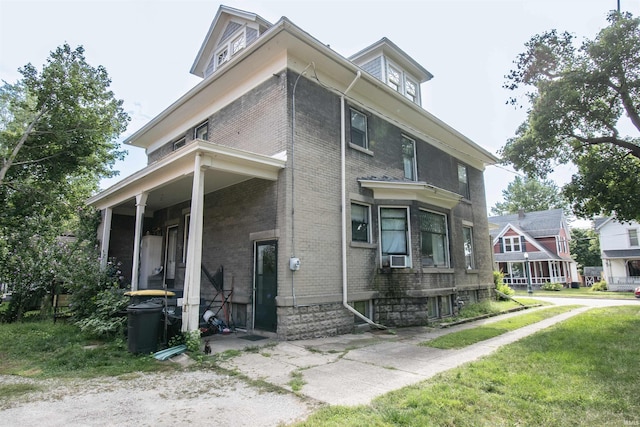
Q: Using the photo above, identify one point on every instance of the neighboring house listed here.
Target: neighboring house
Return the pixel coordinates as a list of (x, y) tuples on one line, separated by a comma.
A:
[(318, 183), (620, 251), (533, 246)]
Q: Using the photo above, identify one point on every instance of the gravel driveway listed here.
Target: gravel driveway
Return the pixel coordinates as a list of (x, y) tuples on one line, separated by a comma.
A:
[(165, 399)]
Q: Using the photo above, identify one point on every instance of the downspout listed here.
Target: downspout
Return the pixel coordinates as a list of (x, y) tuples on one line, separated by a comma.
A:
[(343, 194)]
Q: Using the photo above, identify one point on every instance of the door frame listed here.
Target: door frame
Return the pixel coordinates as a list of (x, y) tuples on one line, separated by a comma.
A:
[(256, 244)]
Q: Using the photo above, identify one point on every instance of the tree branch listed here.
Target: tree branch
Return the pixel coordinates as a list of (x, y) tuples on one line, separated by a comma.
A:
[(634, 150), (9, 162)]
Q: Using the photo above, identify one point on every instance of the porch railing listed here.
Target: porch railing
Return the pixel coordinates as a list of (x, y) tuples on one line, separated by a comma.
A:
[(623, 284), (536, 282)]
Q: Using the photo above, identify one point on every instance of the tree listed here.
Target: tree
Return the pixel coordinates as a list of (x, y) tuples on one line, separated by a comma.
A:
[(585, 247), (580, 99), (58, 131), (531, 195)]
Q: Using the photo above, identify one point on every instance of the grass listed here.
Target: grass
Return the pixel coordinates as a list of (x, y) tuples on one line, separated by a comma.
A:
[(581, 292), (45, 349), (581, 372), (467, 337)]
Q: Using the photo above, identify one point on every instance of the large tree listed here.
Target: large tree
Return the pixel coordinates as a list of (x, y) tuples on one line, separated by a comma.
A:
[(584, 105), (58, 137), (531, 195), (585, 248)]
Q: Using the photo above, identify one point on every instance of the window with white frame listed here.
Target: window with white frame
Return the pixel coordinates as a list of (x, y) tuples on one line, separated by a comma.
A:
[(394, 233), (179, 143), (360, 215), (359, 134), (633, 237), (397, 79), (463, 181), (238, 43), (202, 131), (469, 259), (511, 244), (394, 78), (434, 240), (234, 45), (409, 158), (562, 246), (222, 56), (411, 89)]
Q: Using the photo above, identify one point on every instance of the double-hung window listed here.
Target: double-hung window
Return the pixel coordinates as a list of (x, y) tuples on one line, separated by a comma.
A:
[(360, 223), (394, 236), (202, 131), (511, 244), (359, 135), (463, 181), (633, 237), (409, 158), (467, 235), (434, 240), (394, 78)]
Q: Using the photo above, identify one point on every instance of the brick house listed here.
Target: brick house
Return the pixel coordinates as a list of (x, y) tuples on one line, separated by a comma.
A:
[(533, 246), (315, 185)]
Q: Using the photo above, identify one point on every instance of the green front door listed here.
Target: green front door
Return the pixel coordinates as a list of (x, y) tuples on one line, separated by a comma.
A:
[(266, 288)]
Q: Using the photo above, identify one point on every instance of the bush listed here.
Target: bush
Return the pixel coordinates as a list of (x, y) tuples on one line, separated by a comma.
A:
[(498, 280), (600, 286), (551, 287)]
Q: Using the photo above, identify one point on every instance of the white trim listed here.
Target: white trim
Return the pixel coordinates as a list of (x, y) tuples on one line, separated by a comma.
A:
[(418, 191), (447, 238), (408, 262)]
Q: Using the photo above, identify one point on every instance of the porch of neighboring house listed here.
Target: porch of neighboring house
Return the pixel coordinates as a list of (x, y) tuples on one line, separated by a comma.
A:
[(623, 274), (517, 274)]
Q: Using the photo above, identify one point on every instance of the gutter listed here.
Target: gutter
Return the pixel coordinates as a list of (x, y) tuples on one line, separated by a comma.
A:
[(343, 191)]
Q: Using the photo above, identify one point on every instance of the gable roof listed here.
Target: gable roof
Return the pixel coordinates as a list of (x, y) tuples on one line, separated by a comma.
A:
[(216, 29), (536, 224)]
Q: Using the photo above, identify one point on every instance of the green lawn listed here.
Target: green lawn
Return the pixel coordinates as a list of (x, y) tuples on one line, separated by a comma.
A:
[(579, 293), (467, 337), (582, 372)]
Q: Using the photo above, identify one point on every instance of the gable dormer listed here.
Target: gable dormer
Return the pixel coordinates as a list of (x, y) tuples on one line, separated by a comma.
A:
[(391, 65), (231, 31)]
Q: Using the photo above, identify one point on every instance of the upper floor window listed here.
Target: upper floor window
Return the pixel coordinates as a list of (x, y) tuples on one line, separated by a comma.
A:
[(202, 131), (467, 235), (394, 78), (222, 57), (359, 134), (511, 244), (179, 143), (400, 81), (633, 237), (231, 47), (360, 223), (463, 181), (238, 43), (411, 89), (562, 246), (434, 239), (409, 158)]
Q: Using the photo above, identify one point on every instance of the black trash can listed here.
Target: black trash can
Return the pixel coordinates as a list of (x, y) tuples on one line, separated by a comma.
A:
[(144, 321)]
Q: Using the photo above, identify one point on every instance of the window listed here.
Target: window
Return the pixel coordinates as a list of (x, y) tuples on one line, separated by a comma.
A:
[(359, 135), (633, 237), (634, 267), (394, 233), (432, 307), (202, 131), (445, 305), (238, 44), (359, 223), (222, 57), (562, 246), (409, 158), (411, 89), (434, 240), (463, 181), (362, 307), (511, 244), (179, 143), (517, 269), (394, 78), (467, 235)]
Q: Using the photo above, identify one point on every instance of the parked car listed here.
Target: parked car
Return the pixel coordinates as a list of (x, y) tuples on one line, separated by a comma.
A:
[(638, 292)]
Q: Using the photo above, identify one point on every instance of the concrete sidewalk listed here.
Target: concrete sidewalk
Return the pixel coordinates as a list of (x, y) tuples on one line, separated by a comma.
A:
[(353, 369)]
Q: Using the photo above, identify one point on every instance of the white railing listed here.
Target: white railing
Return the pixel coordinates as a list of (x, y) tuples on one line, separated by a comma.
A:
[(535, 281), (623, 284)]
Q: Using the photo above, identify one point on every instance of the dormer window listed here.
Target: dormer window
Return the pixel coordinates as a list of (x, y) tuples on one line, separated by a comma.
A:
[(394, 77), (411, 89), (238, 43), (222, 57), (401, 82), (232, 45)]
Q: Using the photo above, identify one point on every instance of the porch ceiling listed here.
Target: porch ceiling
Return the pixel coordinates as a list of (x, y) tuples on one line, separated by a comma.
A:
[(169, 180)]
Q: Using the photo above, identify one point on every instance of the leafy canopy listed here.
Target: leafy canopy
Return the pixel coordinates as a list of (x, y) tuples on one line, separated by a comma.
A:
[(580, 100), (531, 195)]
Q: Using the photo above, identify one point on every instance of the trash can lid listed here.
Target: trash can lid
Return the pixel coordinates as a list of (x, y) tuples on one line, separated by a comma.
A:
[(147, 305), (150, 293)]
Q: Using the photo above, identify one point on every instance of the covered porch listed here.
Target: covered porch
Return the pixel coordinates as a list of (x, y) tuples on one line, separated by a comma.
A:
[(178, 182), (621, 269), (535, 268)]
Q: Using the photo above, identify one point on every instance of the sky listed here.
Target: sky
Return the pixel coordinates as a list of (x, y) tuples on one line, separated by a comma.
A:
[(148, 48)]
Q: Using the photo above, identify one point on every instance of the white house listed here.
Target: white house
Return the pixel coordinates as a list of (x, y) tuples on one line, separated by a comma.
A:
[(620, 250)]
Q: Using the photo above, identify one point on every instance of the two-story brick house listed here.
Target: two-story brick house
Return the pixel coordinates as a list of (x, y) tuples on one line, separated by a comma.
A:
[(321, 186), (533, 246)]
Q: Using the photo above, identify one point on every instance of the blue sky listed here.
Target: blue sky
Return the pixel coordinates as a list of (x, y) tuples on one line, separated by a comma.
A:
[(148, 48)]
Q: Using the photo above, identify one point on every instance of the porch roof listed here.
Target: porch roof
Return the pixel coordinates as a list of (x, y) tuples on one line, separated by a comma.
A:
[(410, 190), (533, 256), (621, 253), (168, 181)]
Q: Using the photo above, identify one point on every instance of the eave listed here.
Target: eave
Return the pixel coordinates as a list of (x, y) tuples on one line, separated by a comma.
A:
[(418, 191)]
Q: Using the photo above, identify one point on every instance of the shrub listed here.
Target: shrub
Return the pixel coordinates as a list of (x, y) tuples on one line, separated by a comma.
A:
[(599, 286), (498, 280), (551, 287)]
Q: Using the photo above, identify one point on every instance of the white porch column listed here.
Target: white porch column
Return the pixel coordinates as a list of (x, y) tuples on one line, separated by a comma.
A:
[(191, 302), (141, 203), (106, 235)]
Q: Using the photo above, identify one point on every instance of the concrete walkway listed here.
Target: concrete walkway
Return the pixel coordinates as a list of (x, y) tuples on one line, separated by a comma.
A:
[(353, 369)]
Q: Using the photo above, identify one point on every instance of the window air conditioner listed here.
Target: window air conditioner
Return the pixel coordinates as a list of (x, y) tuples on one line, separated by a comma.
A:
[(398, 261)]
